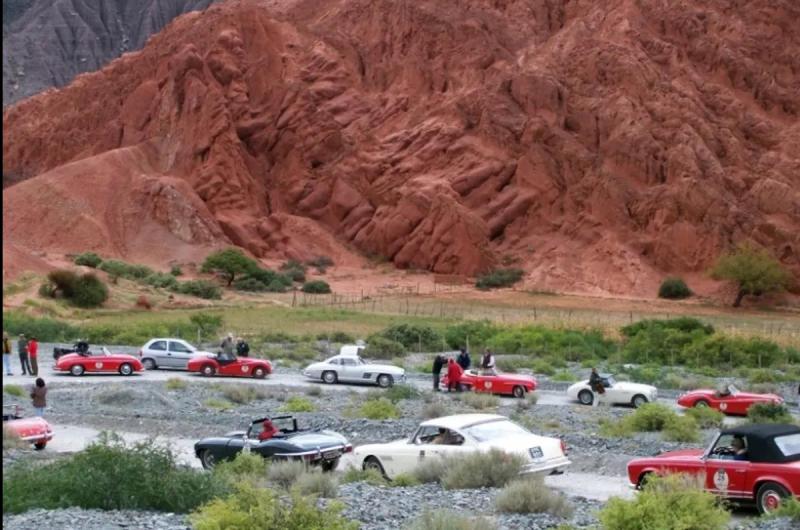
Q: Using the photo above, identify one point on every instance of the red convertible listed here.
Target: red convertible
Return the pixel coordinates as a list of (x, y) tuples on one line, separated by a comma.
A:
[(749, 463), (34, 430), (506, 384), (104, 362), (231, 366), (729, 400)]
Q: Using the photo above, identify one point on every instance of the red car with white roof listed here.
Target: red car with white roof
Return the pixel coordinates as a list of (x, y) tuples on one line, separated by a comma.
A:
[(34, 430), (504, 384), (728, 400)]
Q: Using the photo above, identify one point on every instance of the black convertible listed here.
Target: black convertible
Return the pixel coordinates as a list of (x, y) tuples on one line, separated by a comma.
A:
[(314, 447)]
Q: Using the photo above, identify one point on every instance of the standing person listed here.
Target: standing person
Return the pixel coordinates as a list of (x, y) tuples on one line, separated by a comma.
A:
[(488, 363), (22, 350), (39, 396), (227, 345), (7, 354), (242, 348), (596, 384), (463, 359), (454, 372), (438, 364), (33, 351)]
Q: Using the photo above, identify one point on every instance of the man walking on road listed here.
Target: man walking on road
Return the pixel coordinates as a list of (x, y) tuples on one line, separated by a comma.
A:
[(438, 364), (22, 350)]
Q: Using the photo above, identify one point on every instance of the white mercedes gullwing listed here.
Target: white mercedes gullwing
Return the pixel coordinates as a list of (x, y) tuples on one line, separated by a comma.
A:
[(463, 434), (617, 392), (354, 369)]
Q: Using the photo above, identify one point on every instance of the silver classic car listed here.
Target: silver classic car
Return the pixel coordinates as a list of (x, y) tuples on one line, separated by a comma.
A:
[(354, 369)]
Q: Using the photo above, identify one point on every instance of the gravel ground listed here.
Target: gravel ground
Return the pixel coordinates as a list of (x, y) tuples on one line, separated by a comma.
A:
[(77, 518)]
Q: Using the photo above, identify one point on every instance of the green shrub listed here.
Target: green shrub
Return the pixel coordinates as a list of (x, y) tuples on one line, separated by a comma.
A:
[(120, 269), (493, 469), (563, 376), (530, 495), (706, 417), (219, 404), (316, 287), (313, 391), (570, 345), (285, 473), (671, 502), (162, 280), (789, 508), (379, 409), (447, 520), (13, 390), (253, 508), (88, 259), (412, 336), (683, 324), (174, 383), (541, 366), (480, 401), (89, 291), (294, 270), (45, 329), (209, 324), (246, 466), (110, 475), (380, 347), (769, 413), (47, 290), (499, 278), (229, 263), (176, 270), (315, 482), (476, 333), (681, 429), (370, 476), (242, 393), (249, 284), (298, 404), (398, 392), (651, 417), (274, 282), (674, 289), (63, 281), (200, 289), (404, 480), (432, 471)]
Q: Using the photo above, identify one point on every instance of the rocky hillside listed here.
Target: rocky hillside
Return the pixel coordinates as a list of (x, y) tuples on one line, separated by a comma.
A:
[(599, 145)]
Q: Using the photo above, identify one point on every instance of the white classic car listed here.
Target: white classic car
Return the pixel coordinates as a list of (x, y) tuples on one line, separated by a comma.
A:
[(353, 369), (463, 434), (617, 392)]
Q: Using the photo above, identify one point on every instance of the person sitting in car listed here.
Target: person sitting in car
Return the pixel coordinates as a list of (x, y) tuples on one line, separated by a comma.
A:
[(738, 448), (268, 431)]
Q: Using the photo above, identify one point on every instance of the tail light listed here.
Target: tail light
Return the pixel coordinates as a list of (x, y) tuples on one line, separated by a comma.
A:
[(348, 448), (563, 446)]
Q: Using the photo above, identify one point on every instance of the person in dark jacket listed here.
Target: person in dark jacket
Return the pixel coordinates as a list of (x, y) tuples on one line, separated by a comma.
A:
[(438, 364), (463, 359), (454, 372), (22, 350), (242, 348), (39, 397), (596, 384), (488, 363)]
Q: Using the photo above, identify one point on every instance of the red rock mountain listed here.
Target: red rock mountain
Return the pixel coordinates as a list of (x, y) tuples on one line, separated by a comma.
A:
[(598, 144)]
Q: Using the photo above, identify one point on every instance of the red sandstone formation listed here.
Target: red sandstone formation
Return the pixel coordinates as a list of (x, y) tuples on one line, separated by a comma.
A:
[(599, 145)]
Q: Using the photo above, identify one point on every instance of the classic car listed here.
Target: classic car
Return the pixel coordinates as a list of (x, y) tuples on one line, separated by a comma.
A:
[(506, 384), (464, 434), (765, 472), (102, 362), (232, 366), (617, 392), (315, 447), (169, 353), (728, 399), (35, 430), (354, 369)]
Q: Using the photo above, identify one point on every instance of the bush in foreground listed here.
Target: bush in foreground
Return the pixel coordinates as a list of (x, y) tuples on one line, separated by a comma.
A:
[(447, 520), (769, 413), (674, 501), (530, 495), (370, 476), (315, 482), (89, 291), (298, 404), (492, 469), (13, 390), (379, 409), (706, 417), (285, 473), (674, 289), (110, 475)]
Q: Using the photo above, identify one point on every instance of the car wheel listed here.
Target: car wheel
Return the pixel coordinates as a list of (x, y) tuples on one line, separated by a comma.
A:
[(329, 377), (149, 364), (77, 369), (643, 480), (39, 445), (701, 404), (373, 463), (208, 370), (208, 459), (585, 397), (770, 497), (125, 369), (638, 400), (330, 465), (259, 373), (519, 392), (385, 381)]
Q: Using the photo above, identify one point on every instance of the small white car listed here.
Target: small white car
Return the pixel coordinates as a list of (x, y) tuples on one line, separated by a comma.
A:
[(354, 369), (464, 434), (617, 392), (168, 353)]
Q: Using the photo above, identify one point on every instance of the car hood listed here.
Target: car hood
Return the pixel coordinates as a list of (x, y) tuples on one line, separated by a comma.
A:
[(28, 426), (740, 395), (683, 454)]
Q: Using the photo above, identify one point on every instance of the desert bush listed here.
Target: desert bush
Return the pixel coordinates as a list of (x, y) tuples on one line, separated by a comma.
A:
[(314, 391), (161, 280), (339, 337), (88, 259), (499, 278), (209, 324), (480, 401), (321, 263), (229, 263), (530, 495), (316, 287), (255, 508), (315, 482), (63, 281), (674, 289), (435, 409), (706, 417), (789, 508), (563, 376), (753, 270), (245, 466), (681, 429), (769, 413), (541, 366), (278, 337), (493, 469), (571, 345), (476, 333), (176, 270), (298, 404), (527, 402), (200, 289), (175, 383), (379, 347), (673, 501), (285, 473), (294, 270), (89, 291), (218, 404), (110, 475), (447, 520), (379, 409), (242, 393), (683, 324), (120, 269), (273, 281), (45, 329), (142, 302), (650, 417), (13, 390), (370, 476), (249, 284), (412, 336), (404, 480), (398, 392)]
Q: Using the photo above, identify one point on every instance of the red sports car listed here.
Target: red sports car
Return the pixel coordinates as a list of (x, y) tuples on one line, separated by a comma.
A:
[(233, 367), (34, 430), (506, 384), (103, 362), (729, 400), (748, 463)]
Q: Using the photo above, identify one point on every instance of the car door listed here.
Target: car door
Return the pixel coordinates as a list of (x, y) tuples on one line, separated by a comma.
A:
[(349, 370), (158, 351), (179, 354)]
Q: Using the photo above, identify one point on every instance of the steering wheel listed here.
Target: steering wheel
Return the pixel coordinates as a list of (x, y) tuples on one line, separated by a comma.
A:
[(723, 451)]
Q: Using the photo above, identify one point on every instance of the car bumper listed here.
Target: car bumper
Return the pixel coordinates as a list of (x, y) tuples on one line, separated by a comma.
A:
[(546, 466), (38, 437)]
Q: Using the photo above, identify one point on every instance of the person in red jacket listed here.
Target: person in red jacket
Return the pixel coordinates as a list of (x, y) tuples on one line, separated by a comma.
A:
[(268, 432), (33, 351), (454, 372)]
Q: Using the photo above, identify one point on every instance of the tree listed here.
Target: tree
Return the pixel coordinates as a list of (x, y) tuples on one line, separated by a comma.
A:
[(229, 263), (753, 269)]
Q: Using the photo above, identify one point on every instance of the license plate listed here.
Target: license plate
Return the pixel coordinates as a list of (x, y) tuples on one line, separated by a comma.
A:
[(536, 452), (330, 455)]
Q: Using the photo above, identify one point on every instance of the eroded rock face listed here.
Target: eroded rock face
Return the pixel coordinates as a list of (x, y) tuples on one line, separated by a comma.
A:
[(600, 144)]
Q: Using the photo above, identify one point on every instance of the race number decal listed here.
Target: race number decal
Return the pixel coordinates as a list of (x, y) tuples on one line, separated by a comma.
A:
[(487, 384), (721, 480), (244, 368), (98, 365), (723, 406)]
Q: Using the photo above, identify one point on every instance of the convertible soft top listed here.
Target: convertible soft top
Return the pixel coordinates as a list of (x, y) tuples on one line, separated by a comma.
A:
[(761, 445)]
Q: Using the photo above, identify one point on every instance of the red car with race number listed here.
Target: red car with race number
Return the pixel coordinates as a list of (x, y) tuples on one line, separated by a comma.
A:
[(102, 362), (729, 399), (33, 430), (231, 366), (749, 464), (504, 384)]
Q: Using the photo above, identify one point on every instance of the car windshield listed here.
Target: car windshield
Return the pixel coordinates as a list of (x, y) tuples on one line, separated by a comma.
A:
[(105, 351), (610, 380), (789, 445), (492, 430), (733, 390)]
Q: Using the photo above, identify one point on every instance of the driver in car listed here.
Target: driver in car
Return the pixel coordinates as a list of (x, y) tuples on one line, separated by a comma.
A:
[(724, 391), (268, 431), (738, 448), (445, 437)]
